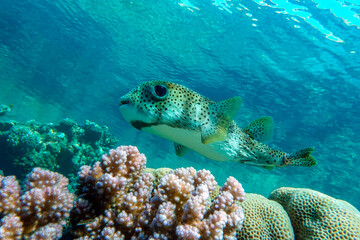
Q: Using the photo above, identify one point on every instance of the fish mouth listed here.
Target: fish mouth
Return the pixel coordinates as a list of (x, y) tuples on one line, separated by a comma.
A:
[(124, 101)]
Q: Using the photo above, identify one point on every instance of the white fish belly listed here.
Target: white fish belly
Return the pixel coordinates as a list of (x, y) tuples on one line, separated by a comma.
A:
[(220, 151)]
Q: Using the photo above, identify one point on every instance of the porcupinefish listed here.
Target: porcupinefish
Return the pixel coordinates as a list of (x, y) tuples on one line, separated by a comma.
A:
[(194, 122)]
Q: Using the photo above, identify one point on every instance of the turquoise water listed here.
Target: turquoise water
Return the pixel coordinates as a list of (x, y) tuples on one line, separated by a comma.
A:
[(297, 61)]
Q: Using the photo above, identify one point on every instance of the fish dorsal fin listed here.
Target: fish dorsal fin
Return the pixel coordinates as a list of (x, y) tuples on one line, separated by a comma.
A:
[(260, 129), (221, 115), (181, 150)]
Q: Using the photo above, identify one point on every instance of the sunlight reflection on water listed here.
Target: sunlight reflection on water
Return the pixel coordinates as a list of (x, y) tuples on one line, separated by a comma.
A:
[(348, 11)]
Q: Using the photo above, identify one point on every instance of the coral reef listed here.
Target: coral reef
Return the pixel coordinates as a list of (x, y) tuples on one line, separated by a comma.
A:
[(315, 215), (118, 198), (264, 219), (62, 147), (120, 201), (40, 211)]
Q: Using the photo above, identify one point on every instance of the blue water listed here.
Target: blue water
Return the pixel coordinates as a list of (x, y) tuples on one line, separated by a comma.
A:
[(297, 61)]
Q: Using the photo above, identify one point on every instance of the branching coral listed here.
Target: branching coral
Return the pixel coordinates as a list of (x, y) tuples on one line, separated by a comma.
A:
[(9, 195), (113, 193), (40, 211), (130, 207)]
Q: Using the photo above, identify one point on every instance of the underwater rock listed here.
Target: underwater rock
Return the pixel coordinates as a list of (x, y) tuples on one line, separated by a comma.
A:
[(315, 215), (62, 147)]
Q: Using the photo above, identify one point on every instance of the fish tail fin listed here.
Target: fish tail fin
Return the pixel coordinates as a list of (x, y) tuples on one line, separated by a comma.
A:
[(301, 158)]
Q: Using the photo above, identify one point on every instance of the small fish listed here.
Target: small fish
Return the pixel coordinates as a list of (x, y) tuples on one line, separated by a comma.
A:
[(194, 122)]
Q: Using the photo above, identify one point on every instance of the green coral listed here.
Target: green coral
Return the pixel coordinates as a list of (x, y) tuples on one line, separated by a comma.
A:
[(62, 147), (4, 109), (23, 139)]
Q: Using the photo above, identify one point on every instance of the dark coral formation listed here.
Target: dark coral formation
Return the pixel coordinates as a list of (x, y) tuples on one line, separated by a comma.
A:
[(119, 201), (39, 211), (62, 147)]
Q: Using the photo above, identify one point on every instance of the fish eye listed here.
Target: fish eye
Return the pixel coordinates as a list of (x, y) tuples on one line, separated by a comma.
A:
[(160, 91)]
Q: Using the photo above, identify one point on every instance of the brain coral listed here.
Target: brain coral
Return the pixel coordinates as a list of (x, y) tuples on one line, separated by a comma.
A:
[(264, 219), (315, 215)]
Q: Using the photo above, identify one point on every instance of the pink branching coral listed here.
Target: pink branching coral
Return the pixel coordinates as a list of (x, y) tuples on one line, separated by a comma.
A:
[(118, 201), (11, 227), (181, 207), (40, 211), (9, 195)]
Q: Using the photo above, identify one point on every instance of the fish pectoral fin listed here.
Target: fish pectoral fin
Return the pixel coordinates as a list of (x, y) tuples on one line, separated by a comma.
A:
[(251, 163), (268, 167), (212, 133), (260, 129), (221, 115), (181, 150)]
